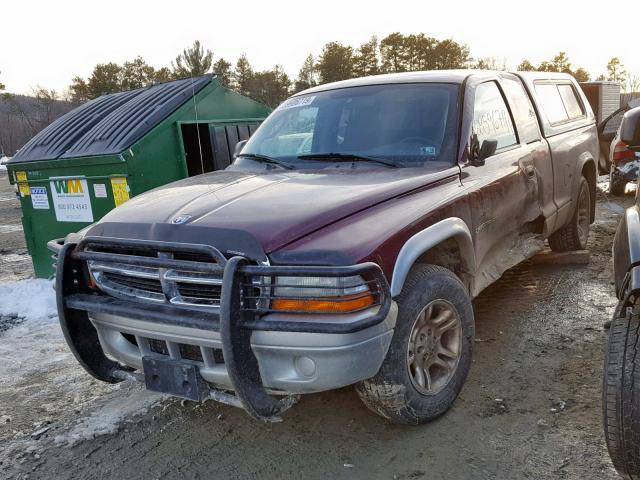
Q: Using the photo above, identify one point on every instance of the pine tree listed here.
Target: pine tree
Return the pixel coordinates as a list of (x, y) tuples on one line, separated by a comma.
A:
[(163, 75), (392, 53), (581, 75), (105, 78), (335, 63), (270, 87), (242, 76), (192, 62), (137, 74), (616, 71), (450, 54), (222, 69), (307, 77), (526, 66), (79, 91), (365, 61)]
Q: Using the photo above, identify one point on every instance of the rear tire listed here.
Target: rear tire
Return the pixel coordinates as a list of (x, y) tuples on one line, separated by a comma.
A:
[(430, 352), (620, 393), (575, 234), (617, 184)]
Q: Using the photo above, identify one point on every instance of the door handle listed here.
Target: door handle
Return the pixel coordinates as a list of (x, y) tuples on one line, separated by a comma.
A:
[(529, 170)]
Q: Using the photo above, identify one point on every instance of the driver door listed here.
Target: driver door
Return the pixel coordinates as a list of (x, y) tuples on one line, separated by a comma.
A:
[(503, 188)]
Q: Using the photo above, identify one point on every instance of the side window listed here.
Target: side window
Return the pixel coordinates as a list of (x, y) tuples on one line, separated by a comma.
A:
[(491, 119), (551, 102), (571, 103), (522, 109)]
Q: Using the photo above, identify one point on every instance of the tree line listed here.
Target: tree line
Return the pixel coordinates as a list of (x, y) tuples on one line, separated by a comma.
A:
[(336, 61), (394, 53)]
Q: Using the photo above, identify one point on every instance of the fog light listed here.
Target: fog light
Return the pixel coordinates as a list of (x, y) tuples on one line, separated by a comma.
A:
[(305, 366)]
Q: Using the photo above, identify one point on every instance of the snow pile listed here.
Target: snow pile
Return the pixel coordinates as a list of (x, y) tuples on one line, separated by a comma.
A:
[(3, 161), (36, 343), (33, 299)]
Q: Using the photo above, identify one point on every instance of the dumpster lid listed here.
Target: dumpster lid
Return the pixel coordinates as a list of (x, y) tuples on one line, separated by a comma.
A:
[(111, 123)]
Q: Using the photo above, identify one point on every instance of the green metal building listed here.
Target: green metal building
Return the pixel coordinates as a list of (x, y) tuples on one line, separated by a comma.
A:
[(117, 146)]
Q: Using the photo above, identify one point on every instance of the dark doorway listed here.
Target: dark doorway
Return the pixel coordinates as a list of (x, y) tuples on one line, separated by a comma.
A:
[(195, 138), (225, 138)]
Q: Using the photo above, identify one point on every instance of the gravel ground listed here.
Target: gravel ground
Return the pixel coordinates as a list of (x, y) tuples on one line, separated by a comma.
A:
[(530, 408)]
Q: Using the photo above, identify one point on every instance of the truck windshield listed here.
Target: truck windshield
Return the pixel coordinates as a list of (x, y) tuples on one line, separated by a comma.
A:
[(407, 125)]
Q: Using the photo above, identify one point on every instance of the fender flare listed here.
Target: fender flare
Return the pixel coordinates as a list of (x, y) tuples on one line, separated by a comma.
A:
[(428, 238), (626, 248)]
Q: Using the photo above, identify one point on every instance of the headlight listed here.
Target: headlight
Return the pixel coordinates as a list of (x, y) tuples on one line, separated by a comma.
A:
[(321, 294)]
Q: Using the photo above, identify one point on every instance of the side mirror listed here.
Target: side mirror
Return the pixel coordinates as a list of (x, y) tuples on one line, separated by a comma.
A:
[(630, 129), (479, 155), (487, 149), (239, 146)]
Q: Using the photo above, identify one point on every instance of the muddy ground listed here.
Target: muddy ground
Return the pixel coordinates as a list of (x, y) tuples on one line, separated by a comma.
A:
[(530, 408)]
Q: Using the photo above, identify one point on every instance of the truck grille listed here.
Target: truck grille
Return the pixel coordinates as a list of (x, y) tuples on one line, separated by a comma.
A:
[(179, 286)]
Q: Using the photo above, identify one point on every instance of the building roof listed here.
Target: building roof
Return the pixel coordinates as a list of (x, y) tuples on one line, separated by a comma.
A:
[(111, 123)]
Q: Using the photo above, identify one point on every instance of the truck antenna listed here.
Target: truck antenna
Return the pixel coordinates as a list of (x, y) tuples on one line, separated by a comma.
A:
[(195, 110)]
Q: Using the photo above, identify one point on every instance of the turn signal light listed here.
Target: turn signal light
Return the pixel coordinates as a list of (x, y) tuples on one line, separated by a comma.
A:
[(345, 304)]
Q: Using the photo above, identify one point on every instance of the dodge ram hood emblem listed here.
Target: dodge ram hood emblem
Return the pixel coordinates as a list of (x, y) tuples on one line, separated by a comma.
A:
[(180, 219)]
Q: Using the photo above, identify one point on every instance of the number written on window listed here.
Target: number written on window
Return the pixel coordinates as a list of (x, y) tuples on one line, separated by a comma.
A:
[(491, 119)]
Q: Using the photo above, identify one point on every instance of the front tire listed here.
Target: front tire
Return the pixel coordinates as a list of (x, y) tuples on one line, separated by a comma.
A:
[(620, 400), (575, 234), (430, 353)]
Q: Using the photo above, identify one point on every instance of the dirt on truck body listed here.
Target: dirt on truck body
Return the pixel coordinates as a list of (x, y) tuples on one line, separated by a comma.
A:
[(342, 247)]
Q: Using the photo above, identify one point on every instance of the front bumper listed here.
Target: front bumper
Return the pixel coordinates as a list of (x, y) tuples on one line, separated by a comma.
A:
[(289, 362), (234, 349)]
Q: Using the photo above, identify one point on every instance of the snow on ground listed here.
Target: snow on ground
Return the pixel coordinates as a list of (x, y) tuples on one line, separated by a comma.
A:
[(41, 383), (3, 161), (108, 418), (36, 341)]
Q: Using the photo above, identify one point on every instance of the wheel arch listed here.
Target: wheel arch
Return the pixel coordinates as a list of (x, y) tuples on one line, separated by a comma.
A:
[(626, 249), (588, 170), (450, 236)]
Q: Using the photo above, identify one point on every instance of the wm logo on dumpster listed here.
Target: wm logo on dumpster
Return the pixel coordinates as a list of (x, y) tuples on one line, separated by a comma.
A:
[(71, 185)]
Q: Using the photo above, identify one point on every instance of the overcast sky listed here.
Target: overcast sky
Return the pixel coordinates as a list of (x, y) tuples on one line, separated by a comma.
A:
[(47, 43)]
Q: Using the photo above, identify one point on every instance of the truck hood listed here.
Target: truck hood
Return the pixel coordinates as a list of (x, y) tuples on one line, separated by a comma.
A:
[(276, 208)]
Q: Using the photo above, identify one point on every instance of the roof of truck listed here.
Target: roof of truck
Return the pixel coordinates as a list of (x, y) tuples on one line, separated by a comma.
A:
[(532, 76), (431, 76), (110, 123), (435, 76)]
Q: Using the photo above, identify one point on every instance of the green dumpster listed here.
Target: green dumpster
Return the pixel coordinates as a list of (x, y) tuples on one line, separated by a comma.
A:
[(117, 146)]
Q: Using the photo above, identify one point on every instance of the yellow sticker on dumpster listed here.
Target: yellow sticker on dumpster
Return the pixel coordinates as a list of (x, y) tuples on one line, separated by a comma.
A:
[(120, 190), (24, 189), (21, 176)]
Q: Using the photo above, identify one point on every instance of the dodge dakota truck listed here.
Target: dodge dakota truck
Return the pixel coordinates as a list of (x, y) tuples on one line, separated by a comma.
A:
[(342, 247)]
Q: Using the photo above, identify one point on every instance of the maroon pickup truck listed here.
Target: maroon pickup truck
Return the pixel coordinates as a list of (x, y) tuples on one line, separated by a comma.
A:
[(343, 246)]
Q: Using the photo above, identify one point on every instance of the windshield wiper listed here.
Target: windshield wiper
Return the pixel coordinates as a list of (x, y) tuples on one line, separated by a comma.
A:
[(265, 159), (348, 157)]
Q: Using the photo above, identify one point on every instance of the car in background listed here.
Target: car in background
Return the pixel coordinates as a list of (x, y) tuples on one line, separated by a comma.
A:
[(623, 163), (620, 399)]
